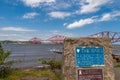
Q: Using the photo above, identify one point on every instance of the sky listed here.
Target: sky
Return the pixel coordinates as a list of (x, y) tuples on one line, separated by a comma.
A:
[(25, 19)]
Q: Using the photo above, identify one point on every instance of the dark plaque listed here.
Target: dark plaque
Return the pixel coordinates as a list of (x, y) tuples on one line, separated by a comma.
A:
[(90, 74)]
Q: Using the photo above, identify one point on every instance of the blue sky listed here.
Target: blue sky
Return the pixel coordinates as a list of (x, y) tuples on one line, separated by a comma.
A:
[(24, 19)]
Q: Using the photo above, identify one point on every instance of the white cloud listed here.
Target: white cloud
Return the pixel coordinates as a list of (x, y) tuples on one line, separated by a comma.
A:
[(64, 24), (7, 35), (36, 3), (80, 23), (94, 19), (110, 16), (30, 15), (18, 36), (14, 37), (60, 15), (106, 17), (16, 29), (57, 32), (89, 6), (58, 5)]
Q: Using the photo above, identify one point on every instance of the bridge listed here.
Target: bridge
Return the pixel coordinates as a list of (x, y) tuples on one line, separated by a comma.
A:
[(58, 39), (35, 40), (114, 36)]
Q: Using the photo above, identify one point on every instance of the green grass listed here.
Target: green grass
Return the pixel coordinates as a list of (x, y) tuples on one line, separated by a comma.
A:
[(117, 66), (58, 76), (17, 74)]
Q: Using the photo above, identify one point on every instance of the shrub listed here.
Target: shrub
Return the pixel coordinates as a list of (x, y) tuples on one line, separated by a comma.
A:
[(54, 64), (4, 71), (4, 66)]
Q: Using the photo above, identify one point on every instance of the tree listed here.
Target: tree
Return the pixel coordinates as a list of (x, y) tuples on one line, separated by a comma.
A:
[(3, 55), (4, 66)]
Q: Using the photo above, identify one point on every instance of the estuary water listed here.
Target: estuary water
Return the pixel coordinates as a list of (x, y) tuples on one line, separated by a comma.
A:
[(27, 55)]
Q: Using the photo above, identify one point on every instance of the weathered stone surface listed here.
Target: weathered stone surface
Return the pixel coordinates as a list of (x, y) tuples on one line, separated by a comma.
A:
[(69, 70)]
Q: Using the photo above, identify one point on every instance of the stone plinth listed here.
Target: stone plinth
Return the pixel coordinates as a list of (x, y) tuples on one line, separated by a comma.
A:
[(69, 69)]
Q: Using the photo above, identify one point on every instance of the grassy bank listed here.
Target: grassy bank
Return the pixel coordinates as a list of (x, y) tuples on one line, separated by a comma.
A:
[(33, 74), (117, 65)]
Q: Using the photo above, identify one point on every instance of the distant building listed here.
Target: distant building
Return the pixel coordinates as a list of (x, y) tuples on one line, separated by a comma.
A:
[(35, 40)]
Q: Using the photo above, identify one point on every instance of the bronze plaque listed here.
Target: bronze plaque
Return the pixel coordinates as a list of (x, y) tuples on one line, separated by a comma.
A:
[(90, 74)]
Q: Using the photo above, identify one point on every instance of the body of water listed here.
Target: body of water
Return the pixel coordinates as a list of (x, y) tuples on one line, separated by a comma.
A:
[(27, 55)]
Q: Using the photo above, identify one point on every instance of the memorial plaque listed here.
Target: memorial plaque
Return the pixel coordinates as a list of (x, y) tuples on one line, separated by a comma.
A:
[(89, 56), (90, 74), (87, 59)]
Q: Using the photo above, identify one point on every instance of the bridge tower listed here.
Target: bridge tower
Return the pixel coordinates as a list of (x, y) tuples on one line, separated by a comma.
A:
[(35, 40)]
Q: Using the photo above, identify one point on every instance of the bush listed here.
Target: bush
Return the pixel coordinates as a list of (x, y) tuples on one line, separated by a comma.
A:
[(54, 64), (4, 70), (4, 66)]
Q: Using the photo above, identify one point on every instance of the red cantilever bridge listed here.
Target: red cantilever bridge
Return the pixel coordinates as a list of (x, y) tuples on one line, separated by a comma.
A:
[(114, 36), (55, 39)]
